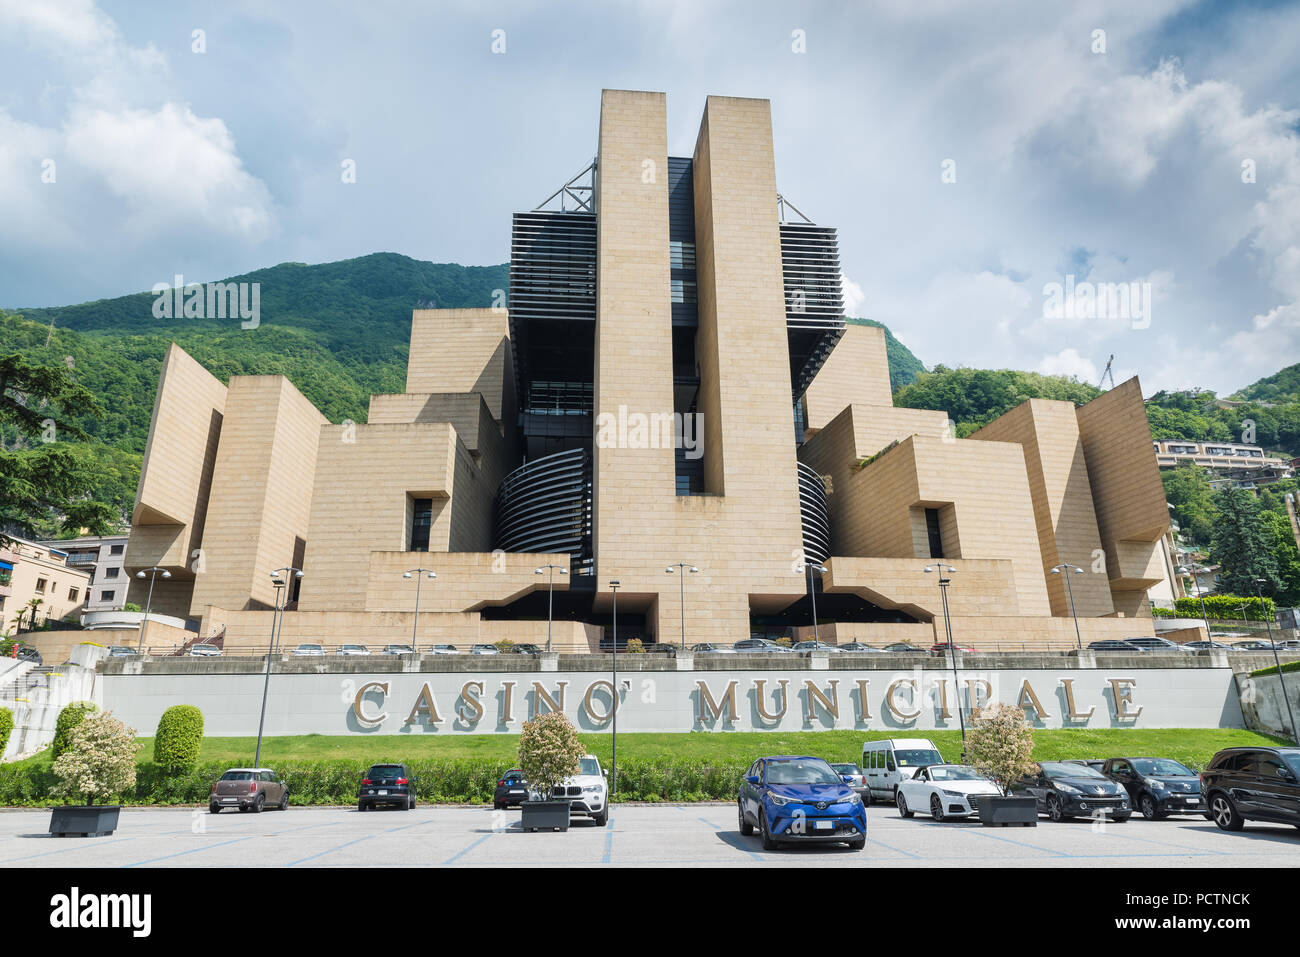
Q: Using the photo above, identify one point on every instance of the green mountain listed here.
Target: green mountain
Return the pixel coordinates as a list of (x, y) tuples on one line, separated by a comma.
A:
[(339, 331), (1282, 386), (974, 397), (903, 366)]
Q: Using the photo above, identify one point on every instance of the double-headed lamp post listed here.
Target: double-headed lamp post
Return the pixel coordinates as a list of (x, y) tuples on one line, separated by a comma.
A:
[(148, 605), (811, 567), (550, 590), (683, 569), (1064, 569), (944, 571), (419, 574), (614, 585), (278, 580), (1200, 593), (1281, 678)]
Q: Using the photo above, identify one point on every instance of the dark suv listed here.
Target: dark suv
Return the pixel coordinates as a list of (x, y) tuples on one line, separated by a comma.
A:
[(1253, 784), (387, 784)]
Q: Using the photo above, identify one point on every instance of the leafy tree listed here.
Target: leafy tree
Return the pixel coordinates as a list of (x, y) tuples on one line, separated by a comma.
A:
[(43, 476), (1240, 545), (1281, 539), (975, 397), (549, 752), (1187, 488)]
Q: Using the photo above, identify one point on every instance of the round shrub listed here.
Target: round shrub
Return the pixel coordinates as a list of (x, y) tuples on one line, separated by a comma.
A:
[(179, 737), (6, 728), (71, 716), (635, 646)]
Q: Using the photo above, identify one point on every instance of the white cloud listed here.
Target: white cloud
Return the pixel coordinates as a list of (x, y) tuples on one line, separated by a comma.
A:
[(1068, 362), (853, 295)]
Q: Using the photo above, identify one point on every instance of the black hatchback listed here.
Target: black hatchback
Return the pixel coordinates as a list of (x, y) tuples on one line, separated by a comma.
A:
[(1158, 786), (386, 784), (1252, 784), (511, 789)]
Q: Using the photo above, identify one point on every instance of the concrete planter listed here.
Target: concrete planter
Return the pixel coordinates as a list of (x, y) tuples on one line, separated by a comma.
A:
[(95, 820), (1002, 811), (545, 815)]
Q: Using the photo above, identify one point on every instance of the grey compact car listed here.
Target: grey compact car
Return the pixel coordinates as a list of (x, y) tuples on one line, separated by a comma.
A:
[(249, 789)]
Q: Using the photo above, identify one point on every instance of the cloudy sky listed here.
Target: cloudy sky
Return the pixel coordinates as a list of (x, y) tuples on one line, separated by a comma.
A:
[(972, 155)]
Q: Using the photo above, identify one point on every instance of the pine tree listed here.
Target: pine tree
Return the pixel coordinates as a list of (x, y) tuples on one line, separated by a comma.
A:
[(1242, 547)]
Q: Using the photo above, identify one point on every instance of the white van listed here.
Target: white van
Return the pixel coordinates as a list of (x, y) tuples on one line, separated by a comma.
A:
[(889, 760)]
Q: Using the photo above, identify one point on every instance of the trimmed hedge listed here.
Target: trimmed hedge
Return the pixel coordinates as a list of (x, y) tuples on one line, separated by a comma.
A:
[(1225, 607), (179, 737), (69, 718), (336, 782), (1287, 668), (6, 728)]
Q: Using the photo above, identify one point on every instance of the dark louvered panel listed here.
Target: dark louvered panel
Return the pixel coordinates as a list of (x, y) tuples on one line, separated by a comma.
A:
[(815, 514), (545, 506), (814, 298)]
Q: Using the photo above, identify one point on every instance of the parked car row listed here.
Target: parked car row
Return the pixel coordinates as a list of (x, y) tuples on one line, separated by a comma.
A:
[(313, 650), (760, 646), (1143, 643)]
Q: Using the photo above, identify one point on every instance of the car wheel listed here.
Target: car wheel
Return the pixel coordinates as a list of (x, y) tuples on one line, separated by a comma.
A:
[(410, 803), (361, 805), (1054, 810), (769, 842), (214, 808), (746, 828), (259, 804), (498, 806), (284, 801), (936, 808), (1147, 806), (601, 819), (859, 844), (1225, 813), (902, 804)]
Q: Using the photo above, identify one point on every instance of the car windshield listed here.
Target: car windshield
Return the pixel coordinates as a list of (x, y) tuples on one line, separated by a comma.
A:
[(237, 776), (801, 772), (1292, 759), (912, 759), (1053, 770), (589, 766), (954, 772), (386, 771), (1160, 767), (310, 647)]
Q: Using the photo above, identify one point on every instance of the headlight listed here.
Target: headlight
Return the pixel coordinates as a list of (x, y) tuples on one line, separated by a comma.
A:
[(1155, 785), (853, 799), (952, 794), (1068, 789), (780, 801), (592, 789)]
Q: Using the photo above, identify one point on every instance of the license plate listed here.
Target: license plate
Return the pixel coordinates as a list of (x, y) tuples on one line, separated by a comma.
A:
[(517, 791), (823, 825), (230, 800), (383, 793), (1193, 800)]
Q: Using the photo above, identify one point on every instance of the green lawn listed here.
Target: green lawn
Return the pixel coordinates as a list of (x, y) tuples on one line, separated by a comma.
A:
[(1194, 745)]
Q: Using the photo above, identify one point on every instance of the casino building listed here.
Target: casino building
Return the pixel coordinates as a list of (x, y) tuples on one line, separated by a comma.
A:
[(671, 381)]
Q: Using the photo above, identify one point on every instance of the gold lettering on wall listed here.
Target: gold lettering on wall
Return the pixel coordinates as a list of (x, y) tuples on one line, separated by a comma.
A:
[(470, 693), (540, 695), (588, 701), (1124, 697), (831, 704), (1071, 712), (977, 701), (358, 709), (711, 708), (942, 685), (424, 703), (1027, 698), (760, 685), (892, 704), (863, 706), (507, 701)]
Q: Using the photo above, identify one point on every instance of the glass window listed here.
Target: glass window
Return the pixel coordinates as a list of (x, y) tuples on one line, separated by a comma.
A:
[(72, 594), (116, 549), (916, 758), (40, 586), (421, 520), (112, 572), (106, 595)]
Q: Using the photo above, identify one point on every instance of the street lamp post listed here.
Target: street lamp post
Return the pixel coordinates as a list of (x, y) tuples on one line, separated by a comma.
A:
[(416, 573), (550, 589), (943, 569), (148, 605), (811, 567), (1065, 568), (1281, 678), (614, 586), (683, 568), (280, 585)]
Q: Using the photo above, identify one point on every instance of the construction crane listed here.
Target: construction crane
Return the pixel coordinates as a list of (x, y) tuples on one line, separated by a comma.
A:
[(1107, 374)]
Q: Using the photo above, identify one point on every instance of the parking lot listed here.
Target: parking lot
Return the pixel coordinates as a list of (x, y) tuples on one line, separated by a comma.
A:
[(640, 835)]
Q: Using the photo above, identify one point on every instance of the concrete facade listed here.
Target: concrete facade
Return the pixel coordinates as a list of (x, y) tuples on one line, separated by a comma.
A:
[(243, 477)]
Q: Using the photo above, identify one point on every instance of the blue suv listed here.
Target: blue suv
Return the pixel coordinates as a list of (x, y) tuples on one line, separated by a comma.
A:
[(800, 799)]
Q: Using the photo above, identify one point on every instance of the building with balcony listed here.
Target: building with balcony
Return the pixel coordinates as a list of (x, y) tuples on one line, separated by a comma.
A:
[(38, 584), (103, 557), (673, 381), (1232, 463)]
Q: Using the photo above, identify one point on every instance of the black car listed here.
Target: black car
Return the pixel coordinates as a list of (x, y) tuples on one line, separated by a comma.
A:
[(1157, 787), (30, 654), (527, 649), (1065, 790), (511, 789), (1252, 784), (386, 784), (1114, 644)]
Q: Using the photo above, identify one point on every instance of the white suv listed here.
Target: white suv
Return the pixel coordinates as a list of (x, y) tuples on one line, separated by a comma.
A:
[(587, 791)]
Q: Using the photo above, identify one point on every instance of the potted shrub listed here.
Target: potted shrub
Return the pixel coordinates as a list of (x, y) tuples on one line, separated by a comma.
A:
[(99, 762), (549, 754), (1001, 746)]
